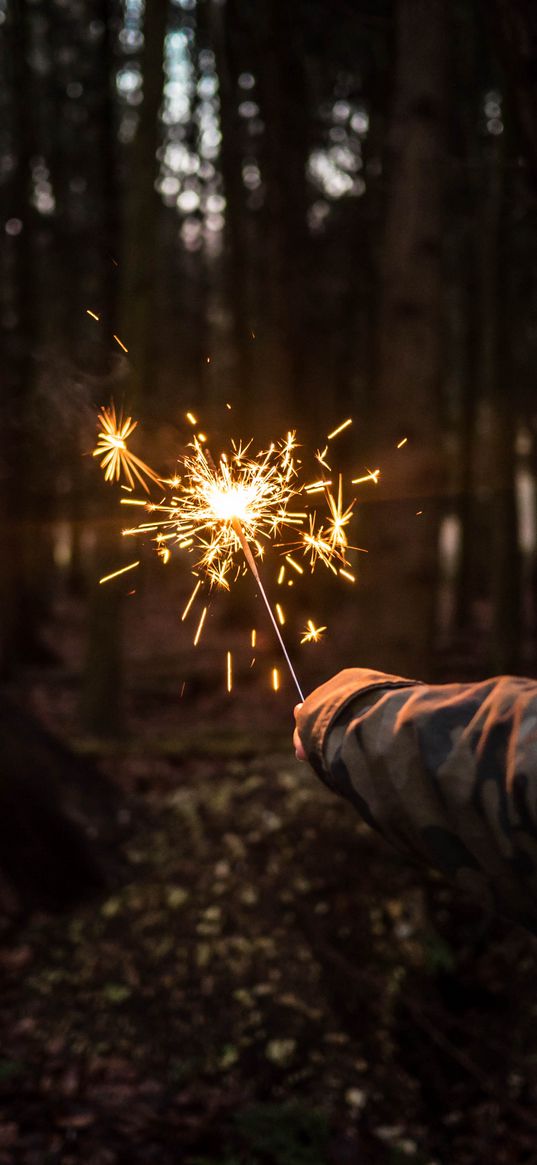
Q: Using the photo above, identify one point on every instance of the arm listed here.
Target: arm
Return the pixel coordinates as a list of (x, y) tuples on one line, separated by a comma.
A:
[(448, 774)]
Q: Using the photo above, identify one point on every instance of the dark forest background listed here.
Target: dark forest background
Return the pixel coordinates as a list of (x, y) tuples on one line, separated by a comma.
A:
[(314, 210)]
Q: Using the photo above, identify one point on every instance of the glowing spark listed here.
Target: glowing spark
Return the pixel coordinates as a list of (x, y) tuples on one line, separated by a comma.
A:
[(120, 342), (229, 672), (212, 504), (295, 565), (200, 627), (253, 637), (321, 456), (275, 679), (316, 486), (123, 570), (339, 519), (281, 575), (340, 428), (116, 458), (312, 634), (93, 314), (182, 692), (191, 600), (371, 475), (228, 406), (418, 512), (316, 545), (348, 575), (402, 442), (202, 437), (280, 614), (190, 417)]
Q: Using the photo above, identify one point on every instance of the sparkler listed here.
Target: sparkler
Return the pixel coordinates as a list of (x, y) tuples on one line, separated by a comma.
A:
[(224, 513)]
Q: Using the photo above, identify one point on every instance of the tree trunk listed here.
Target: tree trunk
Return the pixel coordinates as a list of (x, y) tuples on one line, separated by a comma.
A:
[(495, 362), (285, 107), (514, 29), (225, 28), (403, 545), (140, 214)]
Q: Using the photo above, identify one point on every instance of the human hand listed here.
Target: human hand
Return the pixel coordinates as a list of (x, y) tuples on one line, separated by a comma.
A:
[(297, 743)]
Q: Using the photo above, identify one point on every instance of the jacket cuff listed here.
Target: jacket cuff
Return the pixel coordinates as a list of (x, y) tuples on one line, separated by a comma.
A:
[(321, 709)]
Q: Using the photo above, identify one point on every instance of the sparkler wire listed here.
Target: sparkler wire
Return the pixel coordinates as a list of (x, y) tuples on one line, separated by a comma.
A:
[(253, 567)]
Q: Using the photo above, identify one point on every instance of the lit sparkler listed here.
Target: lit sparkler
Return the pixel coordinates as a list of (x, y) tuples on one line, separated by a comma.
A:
[(224, 513)]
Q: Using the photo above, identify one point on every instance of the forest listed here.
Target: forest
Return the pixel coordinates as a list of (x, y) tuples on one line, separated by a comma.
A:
[(234, 221)]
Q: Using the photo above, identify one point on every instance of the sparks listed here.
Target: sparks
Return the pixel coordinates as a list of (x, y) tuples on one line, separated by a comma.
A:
[(371, 475), (225, 513), (212, 504), (93, 314), (339, 518), (295, 565), (229, 671), (116, 573), (402, 442), (191, 600), (116, 457), (200, 627), (316, 486), (275, 679), (312, 634), (253, 637), (340, 428), (120, 342), (320, 456)]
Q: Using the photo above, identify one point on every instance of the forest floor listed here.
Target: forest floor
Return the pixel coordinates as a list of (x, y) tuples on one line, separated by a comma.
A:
[(268, 984)]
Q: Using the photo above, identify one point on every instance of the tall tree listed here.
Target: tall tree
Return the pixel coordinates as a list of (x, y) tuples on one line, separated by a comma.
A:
[(134, 310), (138, 243), (409, 379), (514, 27)]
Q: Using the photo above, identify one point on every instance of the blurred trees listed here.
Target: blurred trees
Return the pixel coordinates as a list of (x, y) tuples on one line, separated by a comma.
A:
[(314, 211)]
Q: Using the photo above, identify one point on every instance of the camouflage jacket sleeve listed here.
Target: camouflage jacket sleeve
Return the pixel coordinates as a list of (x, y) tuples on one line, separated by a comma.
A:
[(448, 774)]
